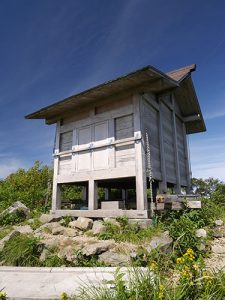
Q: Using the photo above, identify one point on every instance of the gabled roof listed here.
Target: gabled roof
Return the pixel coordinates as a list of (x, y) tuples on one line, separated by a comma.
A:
[(182, 73), (147, 79)]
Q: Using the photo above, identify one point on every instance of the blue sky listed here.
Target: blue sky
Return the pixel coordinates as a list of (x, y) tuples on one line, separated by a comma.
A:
[(50, 49)]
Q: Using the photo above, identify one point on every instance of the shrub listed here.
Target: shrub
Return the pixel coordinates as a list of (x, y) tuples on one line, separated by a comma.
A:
[(22, 250), (10, 219), (30, 187)]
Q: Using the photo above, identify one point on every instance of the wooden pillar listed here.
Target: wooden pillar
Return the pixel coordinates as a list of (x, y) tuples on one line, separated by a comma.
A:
[(124, 194), (177, 166), (92, 195), (141, 186), (187, 159), (84, 193), (56, 195), (107, 193), (163, 183)]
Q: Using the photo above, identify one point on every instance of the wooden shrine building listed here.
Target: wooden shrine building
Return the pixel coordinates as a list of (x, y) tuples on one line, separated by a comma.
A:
[(101, 141)]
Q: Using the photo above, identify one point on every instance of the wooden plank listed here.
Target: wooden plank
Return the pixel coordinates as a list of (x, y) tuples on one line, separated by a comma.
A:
[(111, 140), (178, 186), (56, 196), (100, 158), (92, 195), (124, 133), (188, 170), (119, 112), (141, 188)]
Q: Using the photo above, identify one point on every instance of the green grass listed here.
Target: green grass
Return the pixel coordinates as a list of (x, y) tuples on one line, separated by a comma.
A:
[(148, 285), (5, 230), (126, 232), (22, 250)]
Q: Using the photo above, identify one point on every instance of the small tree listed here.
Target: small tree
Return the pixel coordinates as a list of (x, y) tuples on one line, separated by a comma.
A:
[(205, 187), (30, 187)]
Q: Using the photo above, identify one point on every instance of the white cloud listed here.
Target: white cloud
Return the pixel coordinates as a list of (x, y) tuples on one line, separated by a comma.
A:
[(9, 165), (215, 115)]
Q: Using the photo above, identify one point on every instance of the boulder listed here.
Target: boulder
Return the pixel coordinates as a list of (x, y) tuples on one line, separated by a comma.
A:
[(44, 255), (114, 259), (48, 227), (51, 243), (67, 253), (163, 242), (201, 247), (8, 237), (82, 223), (26, 229), (218, 249), (218, 222), (201, 233), (97, 248), (45, 218), (58, 230), (142, 223), (112, 221), (98, 228), (219, 232), (17, 206), (84, 240), (71, 232)]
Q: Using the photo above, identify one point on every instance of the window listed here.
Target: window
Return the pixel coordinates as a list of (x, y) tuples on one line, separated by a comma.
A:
[(65, 142), (124, 127)]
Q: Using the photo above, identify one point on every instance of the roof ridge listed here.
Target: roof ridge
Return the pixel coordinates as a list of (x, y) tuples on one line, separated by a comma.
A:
[(191, 67)]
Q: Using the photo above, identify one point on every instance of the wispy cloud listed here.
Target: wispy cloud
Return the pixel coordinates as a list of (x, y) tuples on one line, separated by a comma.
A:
[(214, 115), (9, 165), (208, 157)]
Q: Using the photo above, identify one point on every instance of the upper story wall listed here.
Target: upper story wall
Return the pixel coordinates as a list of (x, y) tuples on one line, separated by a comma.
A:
[(99, 137), (162, 120)]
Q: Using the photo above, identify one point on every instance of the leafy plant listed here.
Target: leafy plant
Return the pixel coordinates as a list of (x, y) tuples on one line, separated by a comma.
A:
[(10, 219), (67, 220)]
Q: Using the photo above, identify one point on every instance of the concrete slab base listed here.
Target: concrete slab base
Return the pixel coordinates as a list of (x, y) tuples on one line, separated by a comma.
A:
[(103, 213), (22, 283)]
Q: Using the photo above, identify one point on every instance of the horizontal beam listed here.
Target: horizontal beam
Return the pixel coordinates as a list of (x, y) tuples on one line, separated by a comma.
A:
[(92, 146), (97, 175), (192, 118)]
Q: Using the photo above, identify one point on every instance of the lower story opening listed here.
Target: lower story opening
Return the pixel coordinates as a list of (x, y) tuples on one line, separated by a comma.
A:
[(74, 196), (119, 193)]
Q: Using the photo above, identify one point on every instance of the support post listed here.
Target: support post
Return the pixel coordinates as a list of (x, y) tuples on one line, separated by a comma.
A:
[(84, 193), (92, 195), (56, 197), (178, 185), (56, 194), (187, 159), (141, 184), (163, 183), (124, 194), (107, 193)]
